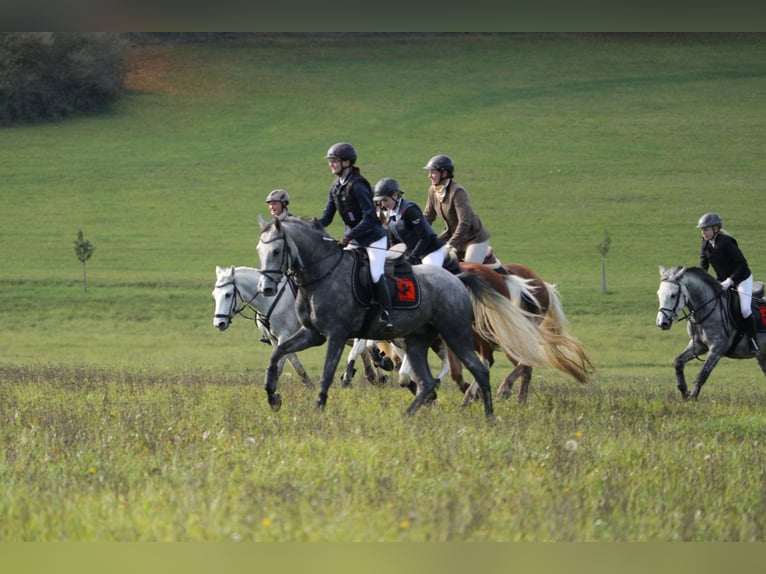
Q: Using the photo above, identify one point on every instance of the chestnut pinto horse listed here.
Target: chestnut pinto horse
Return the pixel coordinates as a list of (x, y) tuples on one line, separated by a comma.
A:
[(563, 351)]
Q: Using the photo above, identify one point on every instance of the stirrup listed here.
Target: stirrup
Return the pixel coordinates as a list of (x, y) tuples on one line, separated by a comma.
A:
[(388, 326), (753, 347)]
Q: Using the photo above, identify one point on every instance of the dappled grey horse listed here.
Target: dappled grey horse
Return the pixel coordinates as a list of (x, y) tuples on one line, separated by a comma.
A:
[(330, 313), (707, 308)]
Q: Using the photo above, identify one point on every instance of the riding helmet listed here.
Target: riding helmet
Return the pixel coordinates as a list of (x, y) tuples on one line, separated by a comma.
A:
[(710, 220), (279, 195), (441, 162), (386, 187), (342, 151)]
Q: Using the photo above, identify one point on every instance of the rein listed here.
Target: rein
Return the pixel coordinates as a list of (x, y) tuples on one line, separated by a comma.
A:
[(263, 317), (692, 314), (298, 269)]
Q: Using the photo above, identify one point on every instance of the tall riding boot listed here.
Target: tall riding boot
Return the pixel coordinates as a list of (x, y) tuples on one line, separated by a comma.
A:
[(384, 300), (752, 332)]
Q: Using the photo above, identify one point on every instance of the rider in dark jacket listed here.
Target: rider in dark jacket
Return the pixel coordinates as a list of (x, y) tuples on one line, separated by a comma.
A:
[(351, 196), (721, 250), (407, 225)]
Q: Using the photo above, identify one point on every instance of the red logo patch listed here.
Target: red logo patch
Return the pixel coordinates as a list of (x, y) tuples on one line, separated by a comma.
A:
[(405, 290), (763, 315)]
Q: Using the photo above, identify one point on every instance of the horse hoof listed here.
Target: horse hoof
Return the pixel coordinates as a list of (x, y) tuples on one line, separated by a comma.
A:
[(386, 364), (275, 402)]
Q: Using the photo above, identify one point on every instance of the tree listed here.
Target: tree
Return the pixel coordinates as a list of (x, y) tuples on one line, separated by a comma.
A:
[(603, 248), (84, 251)]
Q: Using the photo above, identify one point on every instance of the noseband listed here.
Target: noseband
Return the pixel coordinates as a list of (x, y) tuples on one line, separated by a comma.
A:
[(233, 300)]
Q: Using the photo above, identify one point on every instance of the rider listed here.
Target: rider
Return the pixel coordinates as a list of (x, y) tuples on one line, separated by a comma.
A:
[(350, 195), (720, 250), (407, 225), (278, 201), (464, 232)]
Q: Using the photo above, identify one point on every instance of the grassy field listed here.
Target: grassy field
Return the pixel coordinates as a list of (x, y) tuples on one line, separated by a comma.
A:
[(127, 416)]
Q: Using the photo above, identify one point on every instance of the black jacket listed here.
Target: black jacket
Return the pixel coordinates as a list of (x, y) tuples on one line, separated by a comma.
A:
[(726, 258), (408, 225), (352, 199)]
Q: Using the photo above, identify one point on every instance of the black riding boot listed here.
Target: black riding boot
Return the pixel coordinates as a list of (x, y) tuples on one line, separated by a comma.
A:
[(752, 332), (384, 300)]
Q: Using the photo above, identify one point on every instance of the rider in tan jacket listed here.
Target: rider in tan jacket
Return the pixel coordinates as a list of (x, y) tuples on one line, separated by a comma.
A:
[(464, 231)]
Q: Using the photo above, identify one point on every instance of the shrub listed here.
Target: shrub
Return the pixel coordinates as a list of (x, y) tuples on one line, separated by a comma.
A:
[(47, 76)]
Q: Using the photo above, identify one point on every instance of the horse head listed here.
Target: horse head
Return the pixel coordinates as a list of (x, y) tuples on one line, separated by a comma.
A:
[(290, 245), (672, 296), (225, 296), (275, 254)]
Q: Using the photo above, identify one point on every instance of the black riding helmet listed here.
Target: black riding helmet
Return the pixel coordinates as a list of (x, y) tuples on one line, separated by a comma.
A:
[(386, 187), (441, 162), (342, 151)]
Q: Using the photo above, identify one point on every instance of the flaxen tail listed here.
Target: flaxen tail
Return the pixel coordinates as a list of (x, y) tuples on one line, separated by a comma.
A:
[(565, 352), (511, 328)]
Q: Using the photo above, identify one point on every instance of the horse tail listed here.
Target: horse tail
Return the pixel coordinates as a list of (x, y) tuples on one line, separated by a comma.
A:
[(564, 352), (497, 320), (520, 290)]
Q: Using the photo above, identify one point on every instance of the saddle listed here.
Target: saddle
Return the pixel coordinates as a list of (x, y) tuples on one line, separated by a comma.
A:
[(758, 307), (402, 283)]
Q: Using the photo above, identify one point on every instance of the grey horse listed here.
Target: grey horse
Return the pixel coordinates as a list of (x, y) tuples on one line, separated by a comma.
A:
[(450, 307), (706, 307)]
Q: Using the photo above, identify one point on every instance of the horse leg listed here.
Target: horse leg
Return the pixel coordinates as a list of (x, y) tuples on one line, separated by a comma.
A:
[(456, 371), (371, 371), (761, 358), (473, 389), (333, 354), (356, 349), (707, 367), (379, 356), (417, 353), (303, 338), (300, 370), (441, 350), (405, 375), (480, 372), (505, 388), (526, 378)]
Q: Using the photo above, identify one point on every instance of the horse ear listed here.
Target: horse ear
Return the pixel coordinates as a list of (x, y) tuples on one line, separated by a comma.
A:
[(261, 221), (231, 271), (217, 270), (662, 270)]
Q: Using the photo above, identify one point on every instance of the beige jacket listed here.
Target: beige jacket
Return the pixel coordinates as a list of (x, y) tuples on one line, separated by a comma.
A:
[(462, 225)]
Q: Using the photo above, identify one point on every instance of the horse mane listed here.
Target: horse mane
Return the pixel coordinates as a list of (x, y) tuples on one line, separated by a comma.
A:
[(311, 222), (705, 277)]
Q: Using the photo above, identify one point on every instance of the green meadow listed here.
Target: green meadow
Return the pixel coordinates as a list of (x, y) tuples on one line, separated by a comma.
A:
[(126, 416)]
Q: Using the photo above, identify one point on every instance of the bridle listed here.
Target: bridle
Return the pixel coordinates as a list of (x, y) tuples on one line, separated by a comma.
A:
[(294, 268), (669, 314), (264, 318)]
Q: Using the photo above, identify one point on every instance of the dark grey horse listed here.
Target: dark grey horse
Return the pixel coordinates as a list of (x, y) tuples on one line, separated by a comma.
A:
[(709, 322), (330, 313)]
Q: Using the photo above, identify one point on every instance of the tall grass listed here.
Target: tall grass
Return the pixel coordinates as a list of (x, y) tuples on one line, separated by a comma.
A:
[(127, 416)]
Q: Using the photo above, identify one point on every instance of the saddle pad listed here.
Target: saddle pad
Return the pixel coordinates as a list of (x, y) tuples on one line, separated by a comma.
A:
[(404, 288)]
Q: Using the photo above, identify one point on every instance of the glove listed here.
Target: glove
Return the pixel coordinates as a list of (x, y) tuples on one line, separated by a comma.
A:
[(414, 260), (727, 284), (345, 240)]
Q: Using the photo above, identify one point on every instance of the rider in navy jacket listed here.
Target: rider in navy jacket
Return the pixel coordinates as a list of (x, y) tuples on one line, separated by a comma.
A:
[(407, 225), (351, 196)]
